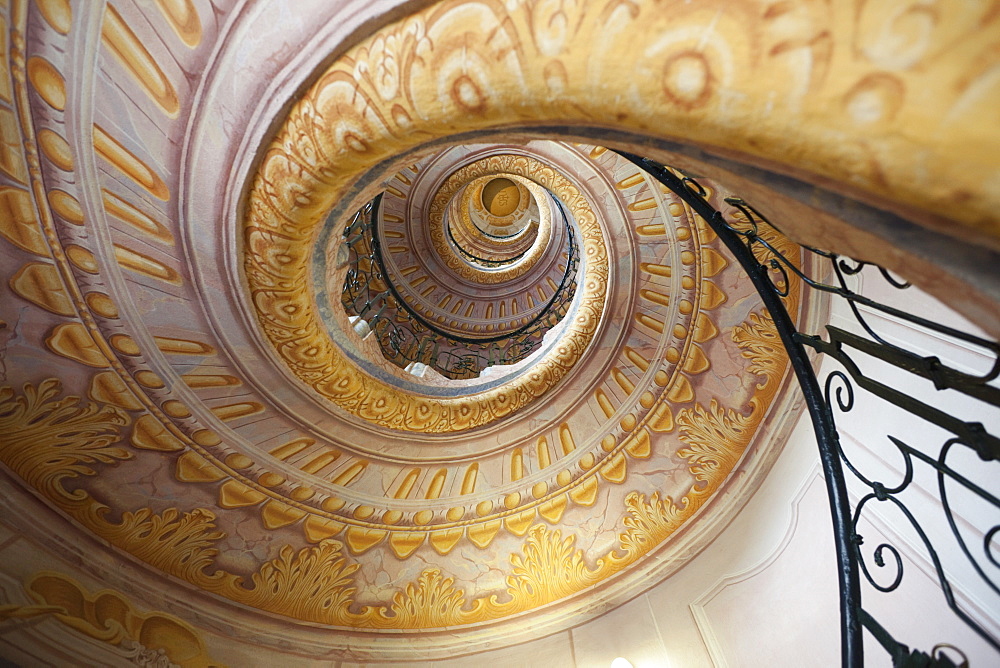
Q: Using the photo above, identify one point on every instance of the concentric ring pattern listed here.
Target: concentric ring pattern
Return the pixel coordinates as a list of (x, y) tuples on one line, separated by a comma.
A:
[(290, 466), (488, 301), (195, 377)]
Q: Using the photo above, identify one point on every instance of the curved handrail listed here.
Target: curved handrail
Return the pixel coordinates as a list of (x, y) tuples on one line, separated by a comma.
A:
[(769, 270)]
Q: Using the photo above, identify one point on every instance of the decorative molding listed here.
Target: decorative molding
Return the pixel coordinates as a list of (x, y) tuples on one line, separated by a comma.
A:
[(168, 410), (183, 544), (698, 606), (277, 254), (153, 639)]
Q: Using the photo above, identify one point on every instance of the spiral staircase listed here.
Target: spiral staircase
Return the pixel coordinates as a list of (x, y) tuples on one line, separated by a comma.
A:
[(340, 332)]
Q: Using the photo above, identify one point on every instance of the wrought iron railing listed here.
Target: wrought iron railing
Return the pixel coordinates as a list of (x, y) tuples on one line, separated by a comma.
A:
[(405, 337), (769, 270), (481, 260)]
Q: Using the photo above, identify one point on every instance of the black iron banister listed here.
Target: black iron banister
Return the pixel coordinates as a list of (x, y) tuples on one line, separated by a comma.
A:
[(763, 261)]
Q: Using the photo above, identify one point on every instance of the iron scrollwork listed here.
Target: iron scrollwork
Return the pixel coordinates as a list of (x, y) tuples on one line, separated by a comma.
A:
[(406, 338), (742, 230)]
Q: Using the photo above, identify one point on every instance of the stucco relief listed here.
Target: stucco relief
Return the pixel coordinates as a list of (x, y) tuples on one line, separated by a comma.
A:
[(135, 411), (126, 410)]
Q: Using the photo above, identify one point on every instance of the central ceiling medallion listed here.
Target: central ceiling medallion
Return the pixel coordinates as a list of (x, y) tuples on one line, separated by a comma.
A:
[(501, 197)]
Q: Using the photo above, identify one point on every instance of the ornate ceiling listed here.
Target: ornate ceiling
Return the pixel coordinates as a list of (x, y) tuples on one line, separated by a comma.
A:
[(195, 374)]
